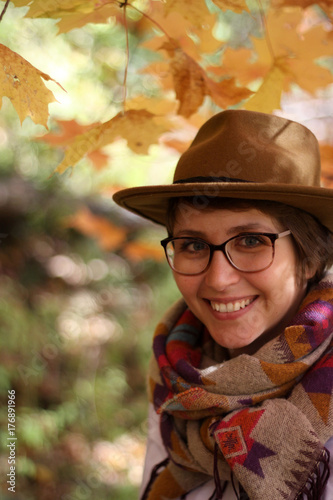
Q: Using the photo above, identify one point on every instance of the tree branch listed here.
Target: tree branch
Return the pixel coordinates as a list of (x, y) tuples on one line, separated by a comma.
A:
[(4, 10)]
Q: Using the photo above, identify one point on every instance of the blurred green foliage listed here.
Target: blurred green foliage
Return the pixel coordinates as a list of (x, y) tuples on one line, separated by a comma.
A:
[(76, 322)]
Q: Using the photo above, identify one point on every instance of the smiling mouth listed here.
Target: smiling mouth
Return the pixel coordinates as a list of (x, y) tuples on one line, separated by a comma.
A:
[(231, 306)]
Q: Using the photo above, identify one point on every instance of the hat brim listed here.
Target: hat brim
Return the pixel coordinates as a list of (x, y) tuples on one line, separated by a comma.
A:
[(151, 202)]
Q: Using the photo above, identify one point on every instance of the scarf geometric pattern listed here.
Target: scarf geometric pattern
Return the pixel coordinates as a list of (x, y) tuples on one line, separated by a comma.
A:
[(262, 419)]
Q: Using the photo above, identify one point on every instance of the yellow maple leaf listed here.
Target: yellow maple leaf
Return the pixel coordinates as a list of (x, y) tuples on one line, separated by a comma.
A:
[(300, 50), (79, 19), (52, 8), (154, 105), (72, 13), (268, 97), (139, 127), (184, 22), (23, 84)]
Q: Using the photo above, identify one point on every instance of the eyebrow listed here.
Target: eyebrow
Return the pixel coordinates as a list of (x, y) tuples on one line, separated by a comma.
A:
[(242, 228), (232, 231), (252, 226)]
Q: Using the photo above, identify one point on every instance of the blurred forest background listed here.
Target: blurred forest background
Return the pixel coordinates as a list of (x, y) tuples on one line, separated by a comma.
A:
[(82, 283)]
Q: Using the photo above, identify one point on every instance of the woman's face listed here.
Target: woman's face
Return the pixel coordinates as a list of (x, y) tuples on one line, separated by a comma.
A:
[(268, 298)]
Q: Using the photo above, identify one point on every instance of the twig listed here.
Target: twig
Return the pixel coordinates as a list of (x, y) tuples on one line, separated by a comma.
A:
[(4, 10), (124, 5)]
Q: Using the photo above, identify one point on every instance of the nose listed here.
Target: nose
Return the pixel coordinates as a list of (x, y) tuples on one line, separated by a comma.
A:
[(221, 273)]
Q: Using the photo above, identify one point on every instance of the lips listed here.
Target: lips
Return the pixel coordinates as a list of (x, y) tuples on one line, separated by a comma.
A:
[(228, 307)]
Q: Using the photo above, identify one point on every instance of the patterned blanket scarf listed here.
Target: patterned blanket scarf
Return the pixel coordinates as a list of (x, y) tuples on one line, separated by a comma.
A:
[(262, 419)]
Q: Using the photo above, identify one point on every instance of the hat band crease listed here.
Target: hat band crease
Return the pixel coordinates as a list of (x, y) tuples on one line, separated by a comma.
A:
[(208, 179)]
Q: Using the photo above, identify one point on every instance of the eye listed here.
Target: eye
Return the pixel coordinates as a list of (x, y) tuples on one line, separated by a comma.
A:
[(252, 241), (192, 246)]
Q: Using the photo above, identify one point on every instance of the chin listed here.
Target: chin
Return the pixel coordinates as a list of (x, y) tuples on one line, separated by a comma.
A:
[(232, 343)]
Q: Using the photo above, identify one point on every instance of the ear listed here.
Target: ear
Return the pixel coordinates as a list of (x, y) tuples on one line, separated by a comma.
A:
[(310, 270)]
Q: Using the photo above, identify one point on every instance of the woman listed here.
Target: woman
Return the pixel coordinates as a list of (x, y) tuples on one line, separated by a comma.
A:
[(242, 373)]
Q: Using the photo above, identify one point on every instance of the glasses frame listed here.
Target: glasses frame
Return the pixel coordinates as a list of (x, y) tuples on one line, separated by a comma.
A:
[(213, 248)]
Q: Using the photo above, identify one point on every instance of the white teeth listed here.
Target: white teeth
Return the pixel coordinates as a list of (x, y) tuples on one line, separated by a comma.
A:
[(230, 306)]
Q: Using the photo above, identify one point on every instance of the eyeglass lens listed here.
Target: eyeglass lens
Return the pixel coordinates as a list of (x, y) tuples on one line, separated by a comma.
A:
[(250, 252)]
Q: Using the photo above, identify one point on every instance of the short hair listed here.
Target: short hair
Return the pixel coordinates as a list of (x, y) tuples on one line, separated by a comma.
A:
[(313, 242)]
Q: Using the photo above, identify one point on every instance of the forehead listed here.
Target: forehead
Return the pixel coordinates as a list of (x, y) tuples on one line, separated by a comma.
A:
[(196, 204), (222, 220)]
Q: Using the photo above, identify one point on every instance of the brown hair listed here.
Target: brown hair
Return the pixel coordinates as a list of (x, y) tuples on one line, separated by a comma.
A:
[(313, 242)]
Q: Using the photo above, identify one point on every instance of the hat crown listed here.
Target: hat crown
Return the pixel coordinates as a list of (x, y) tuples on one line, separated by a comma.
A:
[(242, 155), (246, 146)]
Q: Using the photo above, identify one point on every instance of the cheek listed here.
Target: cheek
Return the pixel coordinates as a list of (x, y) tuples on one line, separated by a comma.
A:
[(188, 286), (183, 283), (281, 287)]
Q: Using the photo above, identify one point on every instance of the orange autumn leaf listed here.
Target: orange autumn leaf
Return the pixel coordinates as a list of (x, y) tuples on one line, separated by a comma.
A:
[(23, 84), (195, 12), (192, 85), (189, 83), (161, 72), (307, 77), (139, 127), (226, 93), (174, 28), (207, 42), (140, 250), (68, 130), (99, 159), (108, 235), (242, 63), (176, 144)]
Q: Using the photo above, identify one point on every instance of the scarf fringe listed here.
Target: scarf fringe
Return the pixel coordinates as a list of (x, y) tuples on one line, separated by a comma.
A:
[(316, 483), (312, 490), (219, 488), (153, 476), (218, 493)]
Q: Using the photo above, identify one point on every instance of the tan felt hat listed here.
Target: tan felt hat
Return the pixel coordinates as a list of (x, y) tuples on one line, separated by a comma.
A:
[(242, 154)]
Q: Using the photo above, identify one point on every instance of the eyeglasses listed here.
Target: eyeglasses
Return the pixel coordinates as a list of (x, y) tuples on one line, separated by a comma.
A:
[(249, 252)]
